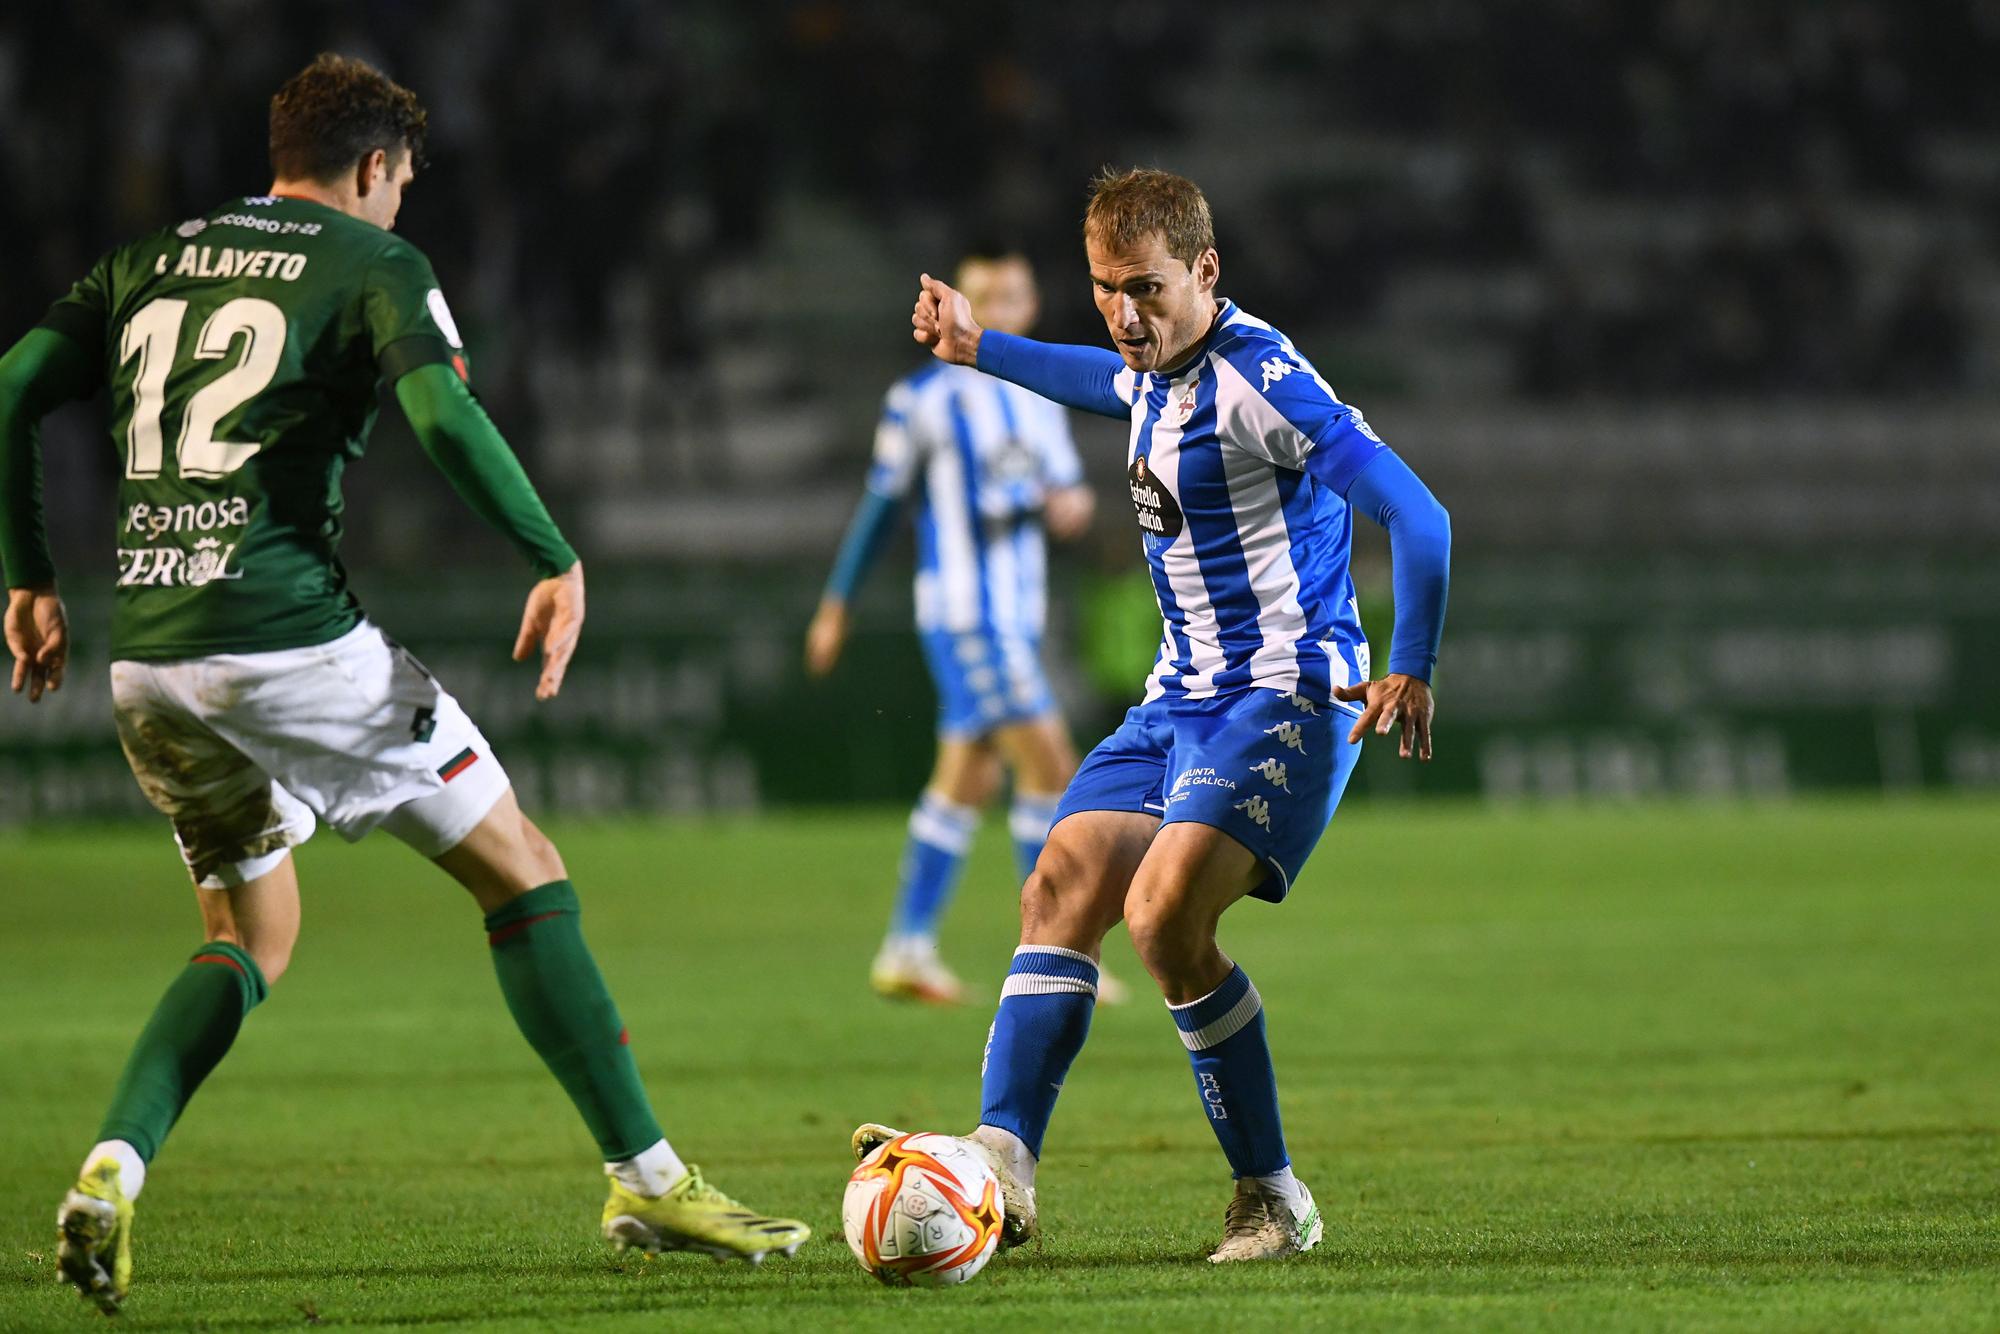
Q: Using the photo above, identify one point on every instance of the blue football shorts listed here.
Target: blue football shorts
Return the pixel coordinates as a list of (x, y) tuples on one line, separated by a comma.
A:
[(1264, 767), (985, 680)]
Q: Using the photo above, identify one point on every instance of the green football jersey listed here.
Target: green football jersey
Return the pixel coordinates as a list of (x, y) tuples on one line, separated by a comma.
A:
[(242, 352)]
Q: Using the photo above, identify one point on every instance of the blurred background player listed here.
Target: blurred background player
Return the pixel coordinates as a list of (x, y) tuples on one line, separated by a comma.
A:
[(1246, 472), (242, 352), (989, 466)]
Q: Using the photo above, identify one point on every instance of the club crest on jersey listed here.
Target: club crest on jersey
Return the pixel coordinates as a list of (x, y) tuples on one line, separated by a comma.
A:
[(1183, 407), (1159, 513)]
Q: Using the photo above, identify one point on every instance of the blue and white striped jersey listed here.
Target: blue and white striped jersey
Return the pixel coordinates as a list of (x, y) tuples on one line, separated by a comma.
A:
[(1249, 550), (977, 455)]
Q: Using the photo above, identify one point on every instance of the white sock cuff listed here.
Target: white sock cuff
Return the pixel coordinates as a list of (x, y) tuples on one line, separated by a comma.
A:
[(944, 823), (131, 1167), (1030, 818), (650, 1172)]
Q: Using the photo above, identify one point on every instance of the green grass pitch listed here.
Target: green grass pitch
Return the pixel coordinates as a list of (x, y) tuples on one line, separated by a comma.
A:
[(1658, 1067)]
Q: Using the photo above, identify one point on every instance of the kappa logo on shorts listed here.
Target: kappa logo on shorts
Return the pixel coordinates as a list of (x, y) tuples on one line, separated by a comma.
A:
[(1273, 771), (1291, 734), (458, 764), (1304, 705), (1258, 809)]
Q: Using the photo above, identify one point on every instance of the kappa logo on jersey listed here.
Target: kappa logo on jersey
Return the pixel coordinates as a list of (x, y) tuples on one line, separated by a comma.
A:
[(1276, 369), (1273, 772), (1291, 734), (1258, 809), (1159, 513)]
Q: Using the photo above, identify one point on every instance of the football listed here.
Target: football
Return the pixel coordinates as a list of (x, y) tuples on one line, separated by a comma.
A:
[(922, 1210)]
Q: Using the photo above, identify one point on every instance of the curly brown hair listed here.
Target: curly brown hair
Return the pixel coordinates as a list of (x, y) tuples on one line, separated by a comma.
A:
[(335, 112), (1128, 206)]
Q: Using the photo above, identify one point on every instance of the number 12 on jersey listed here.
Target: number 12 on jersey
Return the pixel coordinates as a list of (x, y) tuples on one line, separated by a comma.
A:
[(153, 336)]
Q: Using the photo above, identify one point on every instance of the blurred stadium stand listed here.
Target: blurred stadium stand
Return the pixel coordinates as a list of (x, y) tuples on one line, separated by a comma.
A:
[(1689, 311)]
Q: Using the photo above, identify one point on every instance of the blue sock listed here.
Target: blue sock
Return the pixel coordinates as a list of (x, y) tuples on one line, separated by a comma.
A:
[(940, 834), (1224, 1033), (1043, 1019), (1029, 823)]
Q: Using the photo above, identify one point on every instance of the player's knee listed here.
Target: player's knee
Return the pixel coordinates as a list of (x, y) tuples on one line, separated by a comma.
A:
[(542, 861), (1166, 928), (272, 960), (1058, 905)]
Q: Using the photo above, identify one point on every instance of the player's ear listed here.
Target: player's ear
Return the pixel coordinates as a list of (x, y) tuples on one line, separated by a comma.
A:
[(1207, 270), (370, 171)]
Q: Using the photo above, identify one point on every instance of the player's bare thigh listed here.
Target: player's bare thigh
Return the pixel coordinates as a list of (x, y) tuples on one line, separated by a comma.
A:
[(1178, 893), (967, 771), (1077, 891), (259, 916), (1040, 753), (503, 857)]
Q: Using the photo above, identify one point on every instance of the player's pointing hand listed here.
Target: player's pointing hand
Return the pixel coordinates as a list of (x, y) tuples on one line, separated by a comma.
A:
[(1395, 698), (943, 322), (552, 619)]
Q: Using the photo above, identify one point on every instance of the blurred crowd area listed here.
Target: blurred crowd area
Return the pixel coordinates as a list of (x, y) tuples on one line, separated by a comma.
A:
[(682, 236)]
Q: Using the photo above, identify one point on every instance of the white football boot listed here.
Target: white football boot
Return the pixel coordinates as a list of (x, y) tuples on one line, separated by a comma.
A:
[(911, 970), (1017, 1193), (1263, 1225)]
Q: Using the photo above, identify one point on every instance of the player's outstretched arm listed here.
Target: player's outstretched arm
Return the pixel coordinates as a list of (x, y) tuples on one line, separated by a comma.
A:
[(1420, 551), (867, 535), (41, 371), (462, 440), (1085, 378)]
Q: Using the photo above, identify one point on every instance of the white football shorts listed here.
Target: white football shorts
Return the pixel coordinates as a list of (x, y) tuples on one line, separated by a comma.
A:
[(242, 750)]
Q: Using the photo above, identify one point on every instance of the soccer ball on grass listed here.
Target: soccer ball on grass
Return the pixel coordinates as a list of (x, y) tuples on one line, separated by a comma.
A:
[(922, 1210)]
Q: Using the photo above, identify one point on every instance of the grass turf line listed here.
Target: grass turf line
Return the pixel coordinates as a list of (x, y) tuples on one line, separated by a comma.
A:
[(1677, 1066)]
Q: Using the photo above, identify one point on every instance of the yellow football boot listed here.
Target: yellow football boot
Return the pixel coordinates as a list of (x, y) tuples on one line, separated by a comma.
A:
[(94, 1236), (695, 1216)]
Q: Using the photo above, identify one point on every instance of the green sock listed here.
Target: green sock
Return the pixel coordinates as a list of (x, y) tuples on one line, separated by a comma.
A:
[(190, 1031), (564, 1010)]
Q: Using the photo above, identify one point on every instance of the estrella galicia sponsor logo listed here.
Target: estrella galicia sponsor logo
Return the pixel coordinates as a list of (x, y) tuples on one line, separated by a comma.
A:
[(1159, 513), (1257, 810)]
